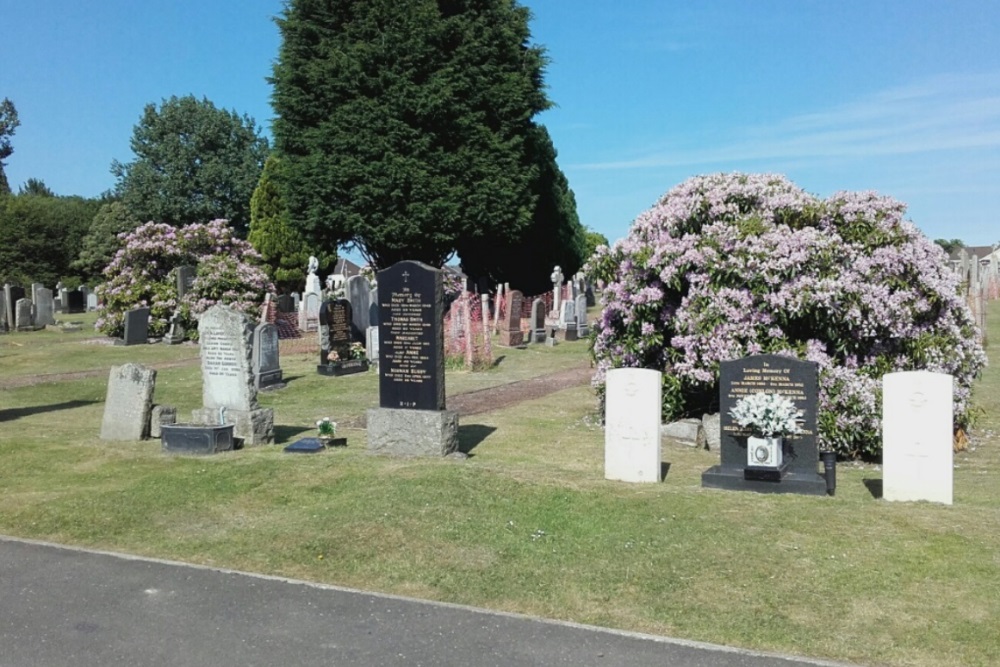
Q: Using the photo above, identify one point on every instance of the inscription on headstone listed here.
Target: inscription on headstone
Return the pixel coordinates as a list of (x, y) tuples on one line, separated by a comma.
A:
[(266, 366), (792, 378), (335, 331), (411, 339)]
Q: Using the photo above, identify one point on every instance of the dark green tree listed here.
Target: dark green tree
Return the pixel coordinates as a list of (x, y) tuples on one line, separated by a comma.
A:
[(8, 124), (553, 237), (404, 125), (35, 186), (193, 163), (101, 242), (284, 251), (40, 237), (950, 246)]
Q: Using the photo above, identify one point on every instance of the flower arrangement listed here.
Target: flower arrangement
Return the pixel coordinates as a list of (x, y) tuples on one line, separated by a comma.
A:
[(326, 428), (767, 414), (358, 351)]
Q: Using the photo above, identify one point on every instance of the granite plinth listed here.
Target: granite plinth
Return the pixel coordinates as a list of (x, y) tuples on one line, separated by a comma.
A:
[(734, 479), (401, 432), (337, 368), (250, 427)]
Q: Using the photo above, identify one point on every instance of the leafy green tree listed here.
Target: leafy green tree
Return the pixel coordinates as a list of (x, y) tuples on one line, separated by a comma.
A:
[(193, 163), (102, 240), (35, 186), (404, 125), (950, 246), (553, 237), (592, 240), (8, 124), (284, 251), (40, 237)]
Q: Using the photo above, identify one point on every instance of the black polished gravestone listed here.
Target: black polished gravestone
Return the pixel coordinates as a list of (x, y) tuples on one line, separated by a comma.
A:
[(789, 377), (411, 337), (335, 340), (136, 327), (76, 302)]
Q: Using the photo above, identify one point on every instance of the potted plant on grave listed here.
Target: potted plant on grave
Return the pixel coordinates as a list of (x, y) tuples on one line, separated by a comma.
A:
[(770, 417), (326, 432)]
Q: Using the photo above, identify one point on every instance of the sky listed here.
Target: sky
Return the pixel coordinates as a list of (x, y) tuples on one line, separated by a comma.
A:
[(897, 96)]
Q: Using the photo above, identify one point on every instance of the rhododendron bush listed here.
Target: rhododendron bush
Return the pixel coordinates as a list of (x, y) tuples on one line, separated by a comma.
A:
[(730, 265), (144, 273)]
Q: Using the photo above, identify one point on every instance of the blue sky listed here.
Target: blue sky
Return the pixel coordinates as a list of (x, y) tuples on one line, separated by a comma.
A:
[(899, 96)]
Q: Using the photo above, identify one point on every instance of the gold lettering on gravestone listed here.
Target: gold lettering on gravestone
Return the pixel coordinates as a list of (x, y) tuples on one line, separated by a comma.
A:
[(408, 347), (766, 379), (220, 357)]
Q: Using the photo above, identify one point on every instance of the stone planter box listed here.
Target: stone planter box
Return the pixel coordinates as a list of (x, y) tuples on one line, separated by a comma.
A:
[(347, 367), (196, 439)]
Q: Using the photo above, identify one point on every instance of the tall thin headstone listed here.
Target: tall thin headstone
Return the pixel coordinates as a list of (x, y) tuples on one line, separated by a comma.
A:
[(917, 428), (185, 280), (12, 294), (44, 307), (538, 332), (633, 401), (557, 281), (412, 419), (582, 325), (229, 394), (359, 294), (510, 331)]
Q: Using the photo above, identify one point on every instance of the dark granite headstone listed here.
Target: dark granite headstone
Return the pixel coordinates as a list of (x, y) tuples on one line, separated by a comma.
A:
[(185, 279), (789, 377), (137, 327), (411, 337), (359, 293), (265, 364), (76, 302), (335, 330), (286, 304), (13, 294)]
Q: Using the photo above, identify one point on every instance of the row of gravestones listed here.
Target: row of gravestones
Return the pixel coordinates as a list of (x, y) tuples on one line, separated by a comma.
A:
[(916, 431), (24, 311)]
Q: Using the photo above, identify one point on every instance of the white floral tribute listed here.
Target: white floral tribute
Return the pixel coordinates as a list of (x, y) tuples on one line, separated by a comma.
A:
[(768, 415)]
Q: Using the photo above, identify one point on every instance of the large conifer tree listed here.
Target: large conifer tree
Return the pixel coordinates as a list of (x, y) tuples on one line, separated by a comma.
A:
[(404, 126)]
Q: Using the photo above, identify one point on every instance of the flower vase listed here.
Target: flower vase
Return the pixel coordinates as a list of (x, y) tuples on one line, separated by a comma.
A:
[(764, 452)]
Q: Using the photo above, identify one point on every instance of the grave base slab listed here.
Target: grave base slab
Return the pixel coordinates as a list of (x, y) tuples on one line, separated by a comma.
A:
[(733, 479), (398, 432)]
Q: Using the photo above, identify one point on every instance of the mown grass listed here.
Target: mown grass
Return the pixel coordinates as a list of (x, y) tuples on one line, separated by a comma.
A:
[(527, 523)]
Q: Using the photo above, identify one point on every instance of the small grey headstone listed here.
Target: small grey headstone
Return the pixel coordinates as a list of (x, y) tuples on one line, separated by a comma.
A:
[(185, 280), (371, 345), (44, 307), (24, 315), (712, 424), (582, 326), (4, 325), (538, 333), (567, 314), (686, 431), (91, 301), (160, 415), (129, 402)]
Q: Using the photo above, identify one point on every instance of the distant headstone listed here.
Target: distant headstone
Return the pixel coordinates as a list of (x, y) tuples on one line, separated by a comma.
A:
[(633, 401), (567, 314), (12, 294), (136, 327), (359, 294), (175, 334), (229, 394), (569, 332), (286, 304), (185, 280), (557, 281), (373, 307), (4, 324), (309, 312), (510, 327), (582, 326), (44, 307), (537, 333), (75, 302), (917, 433), (128, 403), (412, 419), (792, 378), (266, 366), (371, 344), (24, 315), (91, 301), (335, 331)]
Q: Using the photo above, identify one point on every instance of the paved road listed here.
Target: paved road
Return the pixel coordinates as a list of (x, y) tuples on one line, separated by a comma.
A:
[(63, 606)]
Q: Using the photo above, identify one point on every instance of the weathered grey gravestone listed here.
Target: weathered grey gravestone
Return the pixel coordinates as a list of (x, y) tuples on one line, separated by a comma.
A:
[(266, 366), (917, 428), (91, 301), (129, 402), (371, 344), (45, 311), (24, 315), (185, 280), (769, 373), (538, 332), (136, 327), (582, 326), (567, 314), (228, 391), (359, 294), (309, 312), (510, 328), (412, 419)]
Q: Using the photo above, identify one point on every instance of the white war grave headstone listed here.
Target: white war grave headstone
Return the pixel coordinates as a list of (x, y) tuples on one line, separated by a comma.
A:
[(917, 434), (129, 402), (632, 425), (229, 394)]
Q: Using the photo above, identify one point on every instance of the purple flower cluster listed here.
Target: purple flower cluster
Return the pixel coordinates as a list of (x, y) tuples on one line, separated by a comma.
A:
[(144, 273), (729, 265)]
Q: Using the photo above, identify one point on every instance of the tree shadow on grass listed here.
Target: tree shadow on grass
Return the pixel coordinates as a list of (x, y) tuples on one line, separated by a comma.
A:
[(10, 414), (470, 435), (874, 487)]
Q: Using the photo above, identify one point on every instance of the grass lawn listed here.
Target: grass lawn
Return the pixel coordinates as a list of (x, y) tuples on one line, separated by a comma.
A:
[(526, 524)]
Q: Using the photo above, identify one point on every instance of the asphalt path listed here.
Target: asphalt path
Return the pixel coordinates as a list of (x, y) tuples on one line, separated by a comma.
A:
[(68, 606)]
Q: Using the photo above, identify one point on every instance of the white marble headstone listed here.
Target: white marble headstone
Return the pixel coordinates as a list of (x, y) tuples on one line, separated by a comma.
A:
[(917, 432), (632, 425)]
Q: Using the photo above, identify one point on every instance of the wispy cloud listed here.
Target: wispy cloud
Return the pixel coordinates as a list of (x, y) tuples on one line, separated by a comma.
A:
[(944, 113)]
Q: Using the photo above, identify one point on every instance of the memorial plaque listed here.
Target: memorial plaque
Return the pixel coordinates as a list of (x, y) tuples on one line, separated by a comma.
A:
[(335, 330), (411, 337), (792, 378)]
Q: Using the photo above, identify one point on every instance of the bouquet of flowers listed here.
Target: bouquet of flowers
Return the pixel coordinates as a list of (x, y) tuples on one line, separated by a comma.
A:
[(326, 428), (768, 415)]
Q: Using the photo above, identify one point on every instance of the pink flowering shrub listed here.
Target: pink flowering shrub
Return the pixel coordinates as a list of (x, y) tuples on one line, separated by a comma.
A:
[(144, 273), (730, 265)]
